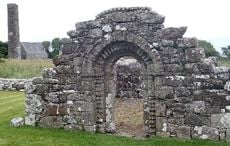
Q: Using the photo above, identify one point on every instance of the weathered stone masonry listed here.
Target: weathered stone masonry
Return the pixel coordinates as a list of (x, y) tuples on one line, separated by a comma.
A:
[(13, 84), (185, 94)]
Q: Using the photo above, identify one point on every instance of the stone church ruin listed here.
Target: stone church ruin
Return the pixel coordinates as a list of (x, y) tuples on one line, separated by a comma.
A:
[(185, 95)]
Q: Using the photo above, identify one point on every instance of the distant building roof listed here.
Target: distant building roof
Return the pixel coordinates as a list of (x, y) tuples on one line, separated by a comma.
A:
[(33, 50)]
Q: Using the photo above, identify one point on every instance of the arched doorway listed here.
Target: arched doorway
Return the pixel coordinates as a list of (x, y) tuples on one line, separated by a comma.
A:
[(128, 101), (105, 89), (78, 92)]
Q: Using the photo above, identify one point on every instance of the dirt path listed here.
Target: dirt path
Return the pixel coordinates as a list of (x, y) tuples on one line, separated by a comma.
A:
[(129, 117)]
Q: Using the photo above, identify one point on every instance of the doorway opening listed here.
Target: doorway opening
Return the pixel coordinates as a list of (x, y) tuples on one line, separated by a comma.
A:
[(108, 117), (128, 102)]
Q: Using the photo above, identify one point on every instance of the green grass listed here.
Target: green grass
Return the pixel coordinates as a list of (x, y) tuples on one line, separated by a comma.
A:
[(12, 105), (13, 68), (224, 62)]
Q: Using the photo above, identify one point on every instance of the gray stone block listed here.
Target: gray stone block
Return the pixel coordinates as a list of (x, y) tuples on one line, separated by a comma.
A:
[(183, 132), (17, 122), (220, 120), (51, 121), (205, 132), (160, 109)]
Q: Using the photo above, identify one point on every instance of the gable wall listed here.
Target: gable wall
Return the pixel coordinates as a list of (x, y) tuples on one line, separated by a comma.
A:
[(187, 94)]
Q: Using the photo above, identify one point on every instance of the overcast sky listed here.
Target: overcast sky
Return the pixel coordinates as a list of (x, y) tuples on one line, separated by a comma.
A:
[(45, 19)]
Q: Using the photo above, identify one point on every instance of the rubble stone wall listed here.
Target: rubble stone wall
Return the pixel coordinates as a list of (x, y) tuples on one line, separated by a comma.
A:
[(185, 94), (13, 84), (128, 79)]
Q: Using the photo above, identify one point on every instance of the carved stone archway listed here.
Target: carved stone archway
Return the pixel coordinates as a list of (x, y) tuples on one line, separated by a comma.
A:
[(103, 67), (100, 62), (185, 93)]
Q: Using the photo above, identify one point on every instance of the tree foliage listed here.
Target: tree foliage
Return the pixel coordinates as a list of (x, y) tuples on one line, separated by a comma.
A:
[(208, 48), (53, 47), (226, 51), (3, 50), (56, 45)]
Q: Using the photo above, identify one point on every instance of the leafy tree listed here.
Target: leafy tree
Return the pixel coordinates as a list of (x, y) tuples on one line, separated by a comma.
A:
[(226, 51), (3, 50), (53, 47), (56, 45), (208, 48)]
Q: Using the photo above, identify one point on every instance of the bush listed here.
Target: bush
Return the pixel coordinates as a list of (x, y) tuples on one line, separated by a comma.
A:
[(3, 50), (208, 48), (226, 51)]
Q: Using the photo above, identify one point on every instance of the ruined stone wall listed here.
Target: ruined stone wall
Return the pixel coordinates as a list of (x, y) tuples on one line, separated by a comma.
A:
[(13, 84), (128, 79), (185, 94), (191, 103)]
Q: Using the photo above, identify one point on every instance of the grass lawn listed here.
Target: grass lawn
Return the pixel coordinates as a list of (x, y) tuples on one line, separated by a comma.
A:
[(224, 62), (14, 68), (12, 105)]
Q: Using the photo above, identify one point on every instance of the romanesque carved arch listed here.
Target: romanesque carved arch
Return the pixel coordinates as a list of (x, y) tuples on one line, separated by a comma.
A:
[(100, 61), (146, 51), (185, 93)]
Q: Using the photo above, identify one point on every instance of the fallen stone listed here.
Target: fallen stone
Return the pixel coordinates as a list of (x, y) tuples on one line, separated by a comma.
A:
[(16, 122)]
